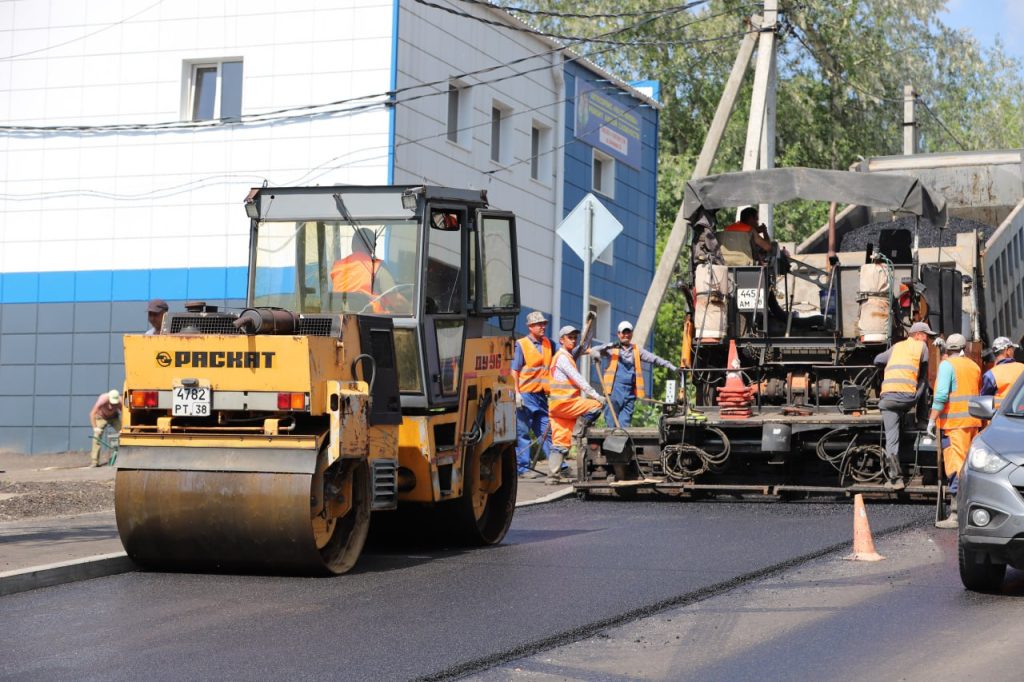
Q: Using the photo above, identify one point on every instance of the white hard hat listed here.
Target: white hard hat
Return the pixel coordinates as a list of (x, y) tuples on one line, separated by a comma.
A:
[(625, 325), (113, 396)]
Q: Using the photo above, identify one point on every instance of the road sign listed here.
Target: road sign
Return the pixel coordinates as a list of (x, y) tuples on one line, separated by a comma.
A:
[(573, 230)]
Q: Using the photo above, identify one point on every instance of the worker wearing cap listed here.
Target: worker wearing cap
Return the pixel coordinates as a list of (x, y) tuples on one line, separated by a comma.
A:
[(998, 380), (958, 379), (903, 382), (531, 373), (566, 403), (106, 412), (155, 312), (622, 381)]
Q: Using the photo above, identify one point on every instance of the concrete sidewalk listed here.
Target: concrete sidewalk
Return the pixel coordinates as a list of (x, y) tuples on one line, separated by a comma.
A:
[(37, 551)]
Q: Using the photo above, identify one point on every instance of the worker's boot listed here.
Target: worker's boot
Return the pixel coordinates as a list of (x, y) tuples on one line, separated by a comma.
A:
[(555, 460), (950, 521), (894, 475)]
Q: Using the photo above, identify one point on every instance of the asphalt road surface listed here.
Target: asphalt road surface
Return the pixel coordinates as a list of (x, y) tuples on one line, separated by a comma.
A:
[(567, 571), (905, 618)]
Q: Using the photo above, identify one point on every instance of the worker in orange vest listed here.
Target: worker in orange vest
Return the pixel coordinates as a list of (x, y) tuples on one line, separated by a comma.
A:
[(566, 403), (361, 272), (998, 380), (531, 374), (958, 379), (623, 379), (903, 382), (749, 222)]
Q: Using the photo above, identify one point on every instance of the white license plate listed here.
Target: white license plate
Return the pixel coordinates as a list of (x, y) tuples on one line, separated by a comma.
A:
[(188, 401), (750, 299)]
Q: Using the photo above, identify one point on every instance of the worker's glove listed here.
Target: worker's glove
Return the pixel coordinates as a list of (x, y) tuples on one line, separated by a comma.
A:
[(603, 400), (931, 428), (519, 400), (96, 431), (594, 353)]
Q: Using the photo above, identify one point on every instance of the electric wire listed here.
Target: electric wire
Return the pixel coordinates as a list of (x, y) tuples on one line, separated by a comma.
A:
[(82, 37), (571, 15)]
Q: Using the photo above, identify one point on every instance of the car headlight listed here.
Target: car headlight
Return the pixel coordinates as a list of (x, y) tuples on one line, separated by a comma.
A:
[(981, 458)]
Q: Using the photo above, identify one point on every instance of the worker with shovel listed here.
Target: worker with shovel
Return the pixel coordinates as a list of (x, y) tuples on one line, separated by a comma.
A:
[(566, 403)]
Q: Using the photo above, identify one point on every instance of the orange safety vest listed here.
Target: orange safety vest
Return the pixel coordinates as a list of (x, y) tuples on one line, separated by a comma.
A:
[(904, 364), (560, 392), (739, 227), (1005, 375), (954, 413), (613, 366), (535, 376), (354, 273)]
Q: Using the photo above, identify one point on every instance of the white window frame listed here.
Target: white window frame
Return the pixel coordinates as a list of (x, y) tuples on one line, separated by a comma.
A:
[(541, 161), (607, 176), (189, 69), (464, 115), (505, 134)]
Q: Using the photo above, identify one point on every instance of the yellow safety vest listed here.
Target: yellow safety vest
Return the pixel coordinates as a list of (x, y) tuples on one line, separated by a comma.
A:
[(902, 369), (954, 413), (535, 376), (613, 365), (1005, 375), (560, 392)]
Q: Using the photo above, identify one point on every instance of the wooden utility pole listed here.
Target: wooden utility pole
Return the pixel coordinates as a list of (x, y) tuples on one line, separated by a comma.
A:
[(678, 237)]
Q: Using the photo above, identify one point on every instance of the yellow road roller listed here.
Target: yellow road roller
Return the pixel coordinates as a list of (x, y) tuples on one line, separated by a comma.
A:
[(368, 373)]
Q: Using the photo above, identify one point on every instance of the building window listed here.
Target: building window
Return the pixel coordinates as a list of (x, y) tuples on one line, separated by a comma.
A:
[(214, 90), (501, 133), (604, 174), (540, 152), (459, 111)]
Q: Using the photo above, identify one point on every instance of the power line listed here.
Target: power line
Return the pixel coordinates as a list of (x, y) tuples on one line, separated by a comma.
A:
[(83, 37), (938, 120), (310, 110), (656, 14), (569, 15)]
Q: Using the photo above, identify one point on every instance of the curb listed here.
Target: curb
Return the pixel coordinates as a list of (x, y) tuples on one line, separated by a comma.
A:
[(551, 497), (99, 566)]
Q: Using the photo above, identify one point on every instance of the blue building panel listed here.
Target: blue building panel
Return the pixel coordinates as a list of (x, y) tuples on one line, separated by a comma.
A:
[(623, 284)]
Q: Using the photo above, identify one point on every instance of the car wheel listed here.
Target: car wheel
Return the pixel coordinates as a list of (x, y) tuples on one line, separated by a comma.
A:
[(980, 576)]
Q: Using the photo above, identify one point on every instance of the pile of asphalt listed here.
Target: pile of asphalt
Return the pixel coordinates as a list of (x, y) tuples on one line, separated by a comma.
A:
[(929, 234), (25, 500)]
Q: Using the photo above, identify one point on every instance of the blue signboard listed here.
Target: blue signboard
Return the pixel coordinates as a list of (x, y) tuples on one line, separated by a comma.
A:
[(608, 124)]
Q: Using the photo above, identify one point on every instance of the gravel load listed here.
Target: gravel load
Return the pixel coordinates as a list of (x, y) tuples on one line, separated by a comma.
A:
[(54, 498), (930, 235)]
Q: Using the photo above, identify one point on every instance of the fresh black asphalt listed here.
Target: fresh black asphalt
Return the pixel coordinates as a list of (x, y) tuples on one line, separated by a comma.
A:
[(564, 569)]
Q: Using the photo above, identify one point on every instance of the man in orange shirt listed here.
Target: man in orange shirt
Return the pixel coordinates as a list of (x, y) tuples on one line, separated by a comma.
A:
[(749, 223), (363, 274), (958, 379)]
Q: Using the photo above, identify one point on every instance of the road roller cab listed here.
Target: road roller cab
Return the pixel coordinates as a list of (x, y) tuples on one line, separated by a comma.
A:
[(364, 376)]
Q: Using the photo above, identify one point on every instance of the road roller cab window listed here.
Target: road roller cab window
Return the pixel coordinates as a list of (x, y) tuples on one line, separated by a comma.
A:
[(343, 267)]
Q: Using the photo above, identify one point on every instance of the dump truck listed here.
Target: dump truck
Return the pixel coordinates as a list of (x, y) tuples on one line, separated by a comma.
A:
[(793, 410), (363, 377)]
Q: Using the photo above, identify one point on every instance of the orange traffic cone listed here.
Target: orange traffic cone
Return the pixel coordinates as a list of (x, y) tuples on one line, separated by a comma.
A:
[(735, 397), (863, 545)]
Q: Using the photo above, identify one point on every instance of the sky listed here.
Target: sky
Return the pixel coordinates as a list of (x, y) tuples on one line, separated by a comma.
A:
[(988, 18)]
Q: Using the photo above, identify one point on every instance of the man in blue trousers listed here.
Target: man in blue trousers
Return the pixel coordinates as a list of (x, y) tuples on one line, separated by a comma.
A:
[(623, 383), (531, 372)]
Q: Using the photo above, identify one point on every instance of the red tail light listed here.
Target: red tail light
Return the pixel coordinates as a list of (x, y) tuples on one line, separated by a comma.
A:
[(291, 401), (145, 399)]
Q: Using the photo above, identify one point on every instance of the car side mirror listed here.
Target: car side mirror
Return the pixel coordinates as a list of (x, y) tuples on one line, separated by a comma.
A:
[(981, 406)]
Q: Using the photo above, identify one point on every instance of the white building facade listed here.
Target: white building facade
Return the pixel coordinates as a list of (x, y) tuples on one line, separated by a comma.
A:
[(131, 132)]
